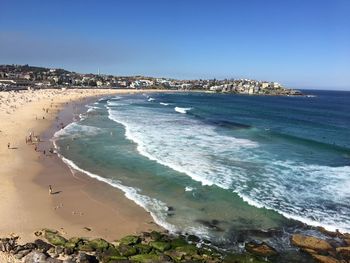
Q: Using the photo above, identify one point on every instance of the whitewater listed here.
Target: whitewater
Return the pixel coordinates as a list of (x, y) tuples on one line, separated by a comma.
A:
[(254, 169)]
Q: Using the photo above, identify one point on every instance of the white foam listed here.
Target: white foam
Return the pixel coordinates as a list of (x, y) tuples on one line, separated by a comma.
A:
[(91, 109), (177, 147), (189, 189), (163, 103), (77, 130), (151, 99), (182, 110)]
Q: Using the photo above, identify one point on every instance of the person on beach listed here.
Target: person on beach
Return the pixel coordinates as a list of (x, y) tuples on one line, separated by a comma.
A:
[(50, 190), (8, 146)]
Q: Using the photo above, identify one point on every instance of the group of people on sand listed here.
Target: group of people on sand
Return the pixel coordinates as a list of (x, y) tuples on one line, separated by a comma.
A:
[(31, 138)]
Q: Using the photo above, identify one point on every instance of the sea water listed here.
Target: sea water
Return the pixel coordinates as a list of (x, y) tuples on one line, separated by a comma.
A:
[(219, 164)]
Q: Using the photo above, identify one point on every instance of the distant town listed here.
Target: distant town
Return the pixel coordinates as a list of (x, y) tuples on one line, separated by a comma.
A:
[(17, 77)]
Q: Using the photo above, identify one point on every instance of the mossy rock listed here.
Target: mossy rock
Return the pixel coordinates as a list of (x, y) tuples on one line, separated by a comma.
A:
[(156, 236), (175, 255), (86, 247), (76, 240), (130, 240), (161, 246), (70, 245), (109, 254), (54, 238), (99, 244), (143, 248), (117, 259), (147, 258), (188, 249), (242, 258), (127, 251), (178, 242)]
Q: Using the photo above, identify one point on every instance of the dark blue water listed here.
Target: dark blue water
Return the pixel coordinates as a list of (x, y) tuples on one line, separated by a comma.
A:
[(223, 163)]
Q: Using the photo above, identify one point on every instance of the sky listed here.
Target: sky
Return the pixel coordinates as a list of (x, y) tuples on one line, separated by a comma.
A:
[(299, 43)]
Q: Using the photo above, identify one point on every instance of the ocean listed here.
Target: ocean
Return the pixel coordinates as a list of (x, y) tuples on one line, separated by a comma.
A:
[(220, 165)]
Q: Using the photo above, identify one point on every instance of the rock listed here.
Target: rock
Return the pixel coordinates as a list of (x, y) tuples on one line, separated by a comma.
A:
[(68, 260), (242, 258), (347, 241), (213, 224), (99, 244), (30, 246), (178, 242), (18, 248), (147, 258), (311, 243), (38, 233), (8, 244), (260, 249), (325, 259), (75, 240), (187, 249), (142, 248), (59, 250), (161, 246), (54, 238), (86, 247), (193, 238), (175, 255), (309, 251), (85, 258), (127, 251), (53, 260), (22, 253), (35, 257), (70, 245), (42, 245), (108, 254), (130, 240), (156, 236), (118, 259), (68, 251), (344, 252)]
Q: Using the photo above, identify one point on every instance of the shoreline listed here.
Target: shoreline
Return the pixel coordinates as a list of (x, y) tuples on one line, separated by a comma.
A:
[(83, 206)]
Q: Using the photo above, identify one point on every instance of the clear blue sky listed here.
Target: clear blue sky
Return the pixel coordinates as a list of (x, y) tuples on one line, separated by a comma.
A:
[(300, 43)]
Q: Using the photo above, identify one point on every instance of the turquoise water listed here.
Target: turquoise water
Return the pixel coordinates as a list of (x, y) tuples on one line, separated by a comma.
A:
[(218, 165)]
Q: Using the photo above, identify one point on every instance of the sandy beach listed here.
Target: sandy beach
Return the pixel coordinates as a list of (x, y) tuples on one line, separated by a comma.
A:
[(81, 206)]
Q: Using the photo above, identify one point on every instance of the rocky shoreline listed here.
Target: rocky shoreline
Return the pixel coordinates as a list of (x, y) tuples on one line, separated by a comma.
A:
[(51, 246)]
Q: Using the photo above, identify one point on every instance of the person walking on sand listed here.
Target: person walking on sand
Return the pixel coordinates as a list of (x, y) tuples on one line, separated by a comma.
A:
[(50, 189), (8, 146)]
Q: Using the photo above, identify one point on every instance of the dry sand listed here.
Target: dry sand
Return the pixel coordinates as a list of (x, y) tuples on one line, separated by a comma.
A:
[(84, 206)]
